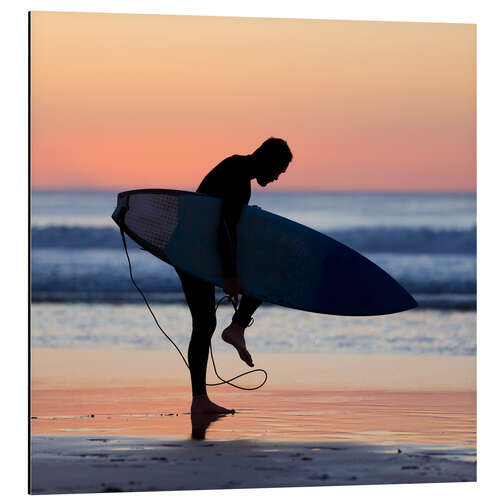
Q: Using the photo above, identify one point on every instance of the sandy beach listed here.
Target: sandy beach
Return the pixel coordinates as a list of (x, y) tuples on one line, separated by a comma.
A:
[(100, 426), (110, 464)]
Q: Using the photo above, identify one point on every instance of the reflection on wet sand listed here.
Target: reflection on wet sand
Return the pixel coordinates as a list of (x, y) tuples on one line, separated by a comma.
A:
[(383, 417), (200, 422)]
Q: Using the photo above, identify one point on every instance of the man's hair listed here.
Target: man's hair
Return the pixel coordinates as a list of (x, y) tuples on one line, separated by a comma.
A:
[(276, 150)]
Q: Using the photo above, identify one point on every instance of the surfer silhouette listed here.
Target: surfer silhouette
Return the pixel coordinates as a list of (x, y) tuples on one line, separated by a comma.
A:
[(230, 180)]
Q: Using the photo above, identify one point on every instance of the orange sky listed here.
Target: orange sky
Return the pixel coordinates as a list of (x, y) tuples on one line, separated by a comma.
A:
[(128, 101)]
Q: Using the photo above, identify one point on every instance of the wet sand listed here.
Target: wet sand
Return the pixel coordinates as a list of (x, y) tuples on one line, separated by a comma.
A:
[(122, 463), (125, 426)]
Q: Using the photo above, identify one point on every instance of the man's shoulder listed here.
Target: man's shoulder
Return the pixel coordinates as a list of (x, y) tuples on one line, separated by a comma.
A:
[(230, 166), (232, 161), (225, 176), (237, 158)]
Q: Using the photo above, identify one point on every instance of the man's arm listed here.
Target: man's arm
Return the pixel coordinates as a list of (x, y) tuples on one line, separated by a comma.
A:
[(230, 213)]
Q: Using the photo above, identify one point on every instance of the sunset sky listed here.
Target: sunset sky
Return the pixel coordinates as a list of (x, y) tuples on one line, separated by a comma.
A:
[(129, 101)]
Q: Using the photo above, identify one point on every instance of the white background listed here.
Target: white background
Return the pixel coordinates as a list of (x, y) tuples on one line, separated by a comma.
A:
[(14, 223)]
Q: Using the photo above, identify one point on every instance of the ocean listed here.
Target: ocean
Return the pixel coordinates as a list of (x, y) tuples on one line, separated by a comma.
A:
[(82, 295)]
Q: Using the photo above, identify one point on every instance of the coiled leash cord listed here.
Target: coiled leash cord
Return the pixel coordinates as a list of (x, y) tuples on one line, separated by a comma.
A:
[(228, 299)]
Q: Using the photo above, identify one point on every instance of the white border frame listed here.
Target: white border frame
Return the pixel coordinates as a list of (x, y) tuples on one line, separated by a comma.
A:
[(14, 254)]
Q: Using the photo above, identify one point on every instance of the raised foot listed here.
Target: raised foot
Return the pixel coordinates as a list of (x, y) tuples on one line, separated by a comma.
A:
[(203, 405), (234, 335)]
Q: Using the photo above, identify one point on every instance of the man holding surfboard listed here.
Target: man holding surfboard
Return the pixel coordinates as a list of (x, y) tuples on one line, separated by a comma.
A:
[(281, 261), (230, 180)]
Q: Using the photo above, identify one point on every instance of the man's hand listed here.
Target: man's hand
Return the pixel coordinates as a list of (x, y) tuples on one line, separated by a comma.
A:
[(233, 286)]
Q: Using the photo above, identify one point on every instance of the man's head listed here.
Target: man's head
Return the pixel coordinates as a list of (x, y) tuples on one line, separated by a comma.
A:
[(272, 159)]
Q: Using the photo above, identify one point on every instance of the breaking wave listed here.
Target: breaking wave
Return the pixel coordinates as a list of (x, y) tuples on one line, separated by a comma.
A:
[(373, 240)]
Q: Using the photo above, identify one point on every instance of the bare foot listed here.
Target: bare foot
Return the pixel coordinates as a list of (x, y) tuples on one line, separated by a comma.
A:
[(234, 335), (201, 404)]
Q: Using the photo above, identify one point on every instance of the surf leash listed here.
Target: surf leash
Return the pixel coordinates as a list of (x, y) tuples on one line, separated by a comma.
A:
[(227, 298)]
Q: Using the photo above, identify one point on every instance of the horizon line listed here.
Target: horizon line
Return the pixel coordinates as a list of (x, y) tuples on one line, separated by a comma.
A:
[(318, 191)]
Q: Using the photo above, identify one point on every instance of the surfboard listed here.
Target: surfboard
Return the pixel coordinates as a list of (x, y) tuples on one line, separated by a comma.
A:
[(278, 260)]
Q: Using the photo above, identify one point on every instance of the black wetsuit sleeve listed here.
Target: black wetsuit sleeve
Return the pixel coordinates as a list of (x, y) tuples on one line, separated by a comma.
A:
[(230, 214)]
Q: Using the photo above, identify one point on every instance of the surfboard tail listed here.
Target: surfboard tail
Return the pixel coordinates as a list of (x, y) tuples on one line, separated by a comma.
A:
[(121, 209)]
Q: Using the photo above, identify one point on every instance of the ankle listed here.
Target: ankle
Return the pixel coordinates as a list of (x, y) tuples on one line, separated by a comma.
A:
[(200, 397)]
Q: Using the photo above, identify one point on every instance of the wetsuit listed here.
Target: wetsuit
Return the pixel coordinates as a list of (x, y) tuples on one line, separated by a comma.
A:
[(229, 180)]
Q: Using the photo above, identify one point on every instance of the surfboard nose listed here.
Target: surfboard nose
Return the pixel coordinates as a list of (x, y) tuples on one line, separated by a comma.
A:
[(411, 303), (393, 297), (355, 286), (389, 296)]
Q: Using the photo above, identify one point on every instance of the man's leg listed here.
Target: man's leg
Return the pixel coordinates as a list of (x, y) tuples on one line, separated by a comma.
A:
[(234, 334), (248, 305), (200, 297)]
